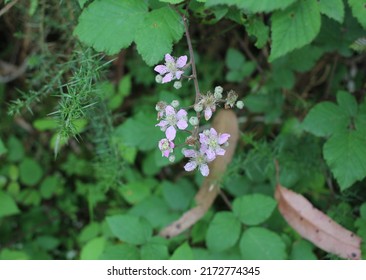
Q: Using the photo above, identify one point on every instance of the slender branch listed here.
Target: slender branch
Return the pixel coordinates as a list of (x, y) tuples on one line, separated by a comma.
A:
[(192, 61)]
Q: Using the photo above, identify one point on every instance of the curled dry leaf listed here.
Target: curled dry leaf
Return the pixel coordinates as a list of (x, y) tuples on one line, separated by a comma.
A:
[(225, 121), (315, 226)]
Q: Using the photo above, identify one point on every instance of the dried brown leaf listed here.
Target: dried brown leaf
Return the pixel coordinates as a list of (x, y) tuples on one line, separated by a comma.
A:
[(315, 226), (225, 121)]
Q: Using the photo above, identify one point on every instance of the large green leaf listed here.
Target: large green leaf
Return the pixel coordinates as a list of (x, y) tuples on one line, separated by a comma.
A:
[(294, 27), (157, 33), (345, 154), (110, 25), (359, 10), (254, 6), (7, 205), (223, 232), (262, 244), (325, 119), (334, 9), (131, 229), (253, 209)]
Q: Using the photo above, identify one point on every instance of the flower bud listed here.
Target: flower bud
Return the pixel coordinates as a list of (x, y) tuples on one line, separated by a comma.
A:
[(172, 158), (231, 99), (177, 84), (175, 103), (158, 79), (193, 121), (198, 107), (218, 92), (240, 104)]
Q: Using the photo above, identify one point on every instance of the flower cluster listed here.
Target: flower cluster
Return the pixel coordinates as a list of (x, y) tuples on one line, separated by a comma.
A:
[(204, 147), (211, 144)]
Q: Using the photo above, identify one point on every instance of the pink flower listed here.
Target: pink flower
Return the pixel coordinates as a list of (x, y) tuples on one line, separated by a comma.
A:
[(172, 69), (211, 143), (166, 147), (198, 159), (173, 120)]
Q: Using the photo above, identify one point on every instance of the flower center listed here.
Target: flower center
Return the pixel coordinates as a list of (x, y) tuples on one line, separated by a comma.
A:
[(171, 119), (212, 143), (200, 159), (171, 66)]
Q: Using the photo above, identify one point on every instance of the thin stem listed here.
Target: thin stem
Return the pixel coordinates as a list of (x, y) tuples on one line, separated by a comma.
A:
[(192, 61)]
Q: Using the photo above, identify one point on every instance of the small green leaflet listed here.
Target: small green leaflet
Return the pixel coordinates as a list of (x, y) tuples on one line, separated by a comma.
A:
[(7, 205), (253, 6), (359, 10), (262, 244), (345, 154), (131, 229), (223, 232), (325, 119), (333, 9), (294, 27)]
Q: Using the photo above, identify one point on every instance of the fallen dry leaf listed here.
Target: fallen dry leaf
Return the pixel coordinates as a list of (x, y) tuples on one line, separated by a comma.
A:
[(315, 226), (225, 121)]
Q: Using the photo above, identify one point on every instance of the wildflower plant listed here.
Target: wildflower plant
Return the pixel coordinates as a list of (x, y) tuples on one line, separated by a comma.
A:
[(205, 146)]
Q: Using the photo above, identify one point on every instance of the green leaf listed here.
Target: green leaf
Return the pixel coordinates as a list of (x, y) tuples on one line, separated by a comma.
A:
[(156, 249), (360, 120), (110, 25), (347, 102), (157, 33), (8, 206), (334, 9), (133, 132), (345, 154), (172, 1), (15, 149), (302, 250), (234, 59), (325, 118), (183, 252), (3, 149), (135, 192), (262, 244), (155, 210), (253, 209), (223, 231), (294, 27), (256, 27), (120, 252), (359, 10), (93, 249), (7, 254), (178, 196), (89, 232), (254, 6), (49, 186), (30, 172), (131, 229)]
